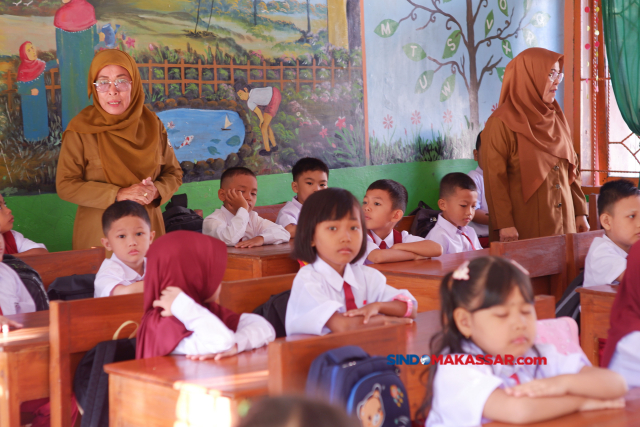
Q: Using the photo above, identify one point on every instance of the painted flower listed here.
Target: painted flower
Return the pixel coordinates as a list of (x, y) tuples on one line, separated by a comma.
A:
[(351, 128), (415, 118), (448, 116), (323, 132), (334, 145), (298, 114), (151, 47), (405, 131), (341, 123), (130, 42), (387, 122), (494, 107)]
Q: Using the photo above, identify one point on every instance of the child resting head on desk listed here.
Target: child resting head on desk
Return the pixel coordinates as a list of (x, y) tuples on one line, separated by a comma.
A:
[(489, 326), (181, 285), (333, 293)]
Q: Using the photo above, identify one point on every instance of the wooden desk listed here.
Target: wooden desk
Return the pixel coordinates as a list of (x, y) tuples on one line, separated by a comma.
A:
[(59, 264), (263, 261), (24, 365), (596, 302), (629, 416)]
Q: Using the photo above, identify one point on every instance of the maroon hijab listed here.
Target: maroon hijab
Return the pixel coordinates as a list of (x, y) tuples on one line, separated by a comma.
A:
[(625, 312), (77, 15), (192, 262), (29, 69)]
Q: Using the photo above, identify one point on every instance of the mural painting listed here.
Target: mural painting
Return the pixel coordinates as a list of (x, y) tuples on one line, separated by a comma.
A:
[(235, 82)]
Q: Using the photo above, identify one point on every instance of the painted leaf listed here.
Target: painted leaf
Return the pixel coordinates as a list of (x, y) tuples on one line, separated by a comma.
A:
[(424, 81), (500, 71), (233, 141), (213, 150), (488, 23), (527, 6), (504, 6), (529, 38), (540, 19), (215, 141), (386, 28), (506, 48), (447, 87), (446, 1), (451, 45), (414, 52)]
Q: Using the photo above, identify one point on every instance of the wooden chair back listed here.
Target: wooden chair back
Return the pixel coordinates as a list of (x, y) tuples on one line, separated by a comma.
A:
[(405, 223), (243, 296), (59, 264), (269, 212), (578, 245), (594, 218)]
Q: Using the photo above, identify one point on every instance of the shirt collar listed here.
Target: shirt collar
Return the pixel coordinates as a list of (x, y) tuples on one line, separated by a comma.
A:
[(479, 170), (617, 248), (333, 278), (129, 273), (451, 229), (388, 240), (296, 203)]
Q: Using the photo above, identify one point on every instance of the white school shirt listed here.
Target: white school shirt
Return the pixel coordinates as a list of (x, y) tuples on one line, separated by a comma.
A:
[(289, 213), (451, 238), (210, 335), (626, 359), (604, 263), (14, 297), (477, 176), (260, 96), (461, 391), (373, 244), (114, 272), (231, 229), (25, 244), (317, 293)]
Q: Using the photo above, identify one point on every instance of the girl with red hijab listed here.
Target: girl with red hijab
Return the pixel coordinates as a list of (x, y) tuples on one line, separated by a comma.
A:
[(182, 282), (621, 351)]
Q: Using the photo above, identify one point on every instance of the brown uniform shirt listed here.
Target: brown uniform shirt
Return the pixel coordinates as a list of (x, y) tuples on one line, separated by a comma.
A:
[(550, 211), (80, 179)]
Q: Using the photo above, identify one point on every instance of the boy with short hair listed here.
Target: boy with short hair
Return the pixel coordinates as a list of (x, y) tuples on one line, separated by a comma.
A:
[(236, 224), (480, 222), (309, 175), (16, 243), (127, 230), (619, 210), (458, 199), (384, 205)]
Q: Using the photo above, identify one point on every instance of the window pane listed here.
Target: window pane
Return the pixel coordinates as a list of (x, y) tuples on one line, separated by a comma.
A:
[(621, 158)]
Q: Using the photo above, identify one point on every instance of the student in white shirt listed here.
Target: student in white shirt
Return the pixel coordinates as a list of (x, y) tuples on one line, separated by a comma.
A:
[(623, 341), (487, 310), (384, 205), (458, 199), (236, 224), (14, 296), (332, 293), (309, 175), (182, 284), (127, 230), (15, 242), (619, 210), (480, 222)]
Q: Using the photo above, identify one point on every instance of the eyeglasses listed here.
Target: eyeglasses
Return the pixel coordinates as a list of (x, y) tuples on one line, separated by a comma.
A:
[(556, 76), (122, 85)]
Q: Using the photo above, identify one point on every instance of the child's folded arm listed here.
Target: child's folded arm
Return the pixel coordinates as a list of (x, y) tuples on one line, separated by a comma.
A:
[(597, 383), (230, 234), (378, 256), (425, 248), (272, 233), (253, 331)]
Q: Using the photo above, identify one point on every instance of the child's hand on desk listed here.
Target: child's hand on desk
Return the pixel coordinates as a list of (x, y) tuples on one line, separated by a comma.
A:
[(251, 243), (554, 386), (167, 297), (8, 322), (367, 311), (389, 320), (216, 356), (596, 404)]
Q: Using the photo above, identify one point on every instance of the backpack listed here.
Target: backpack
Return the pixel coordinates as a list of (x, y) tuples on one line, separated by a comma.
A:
[(275, 311), (569, 303), (366, 386), (177, 217), (69, 288), (31, 280), (425, 219)]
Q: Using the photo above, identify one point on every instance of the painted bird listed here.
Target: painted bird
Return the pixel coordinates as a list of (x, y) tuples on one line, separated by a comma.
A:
[(171, 125), (187, 141)]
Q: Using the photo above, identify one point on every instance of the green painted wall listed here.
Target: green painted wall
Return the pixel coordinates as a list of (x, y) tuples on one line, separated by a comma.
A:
[(49, 220)]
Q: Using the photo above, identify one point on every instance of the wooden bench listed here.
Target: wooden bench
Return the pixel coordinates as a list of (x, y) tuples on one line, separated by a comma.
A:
[(578, 245), (243, 296), (594, 218), (263, 261), (596, 303), (59, 264), (405, 223), (76, 327), (269, 212)]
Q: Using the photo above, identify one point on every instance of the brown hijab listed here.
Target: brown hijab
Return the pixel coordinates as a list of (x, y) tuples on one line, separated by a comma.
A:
[(543, 132), (130, 143)]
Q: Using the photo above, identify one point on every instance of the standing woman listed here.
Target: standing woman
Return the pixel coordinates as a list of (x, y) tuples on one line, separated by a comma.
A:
[(531, 174), (115, 149)]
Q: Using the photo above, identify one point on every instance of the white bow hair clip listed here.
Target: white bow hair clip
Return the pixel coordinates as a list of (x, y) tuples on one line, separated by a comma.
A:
[(462, 272)]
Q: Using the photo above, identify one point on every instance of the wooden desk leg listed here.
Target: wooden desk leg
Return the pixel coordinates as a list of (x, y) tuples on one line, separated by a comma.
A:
[(9, 399), (257, 268)]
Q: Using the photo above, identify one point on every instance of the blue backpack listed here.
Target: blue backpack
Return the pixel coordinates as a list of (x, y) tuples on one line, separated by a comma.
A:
[(366, 386)]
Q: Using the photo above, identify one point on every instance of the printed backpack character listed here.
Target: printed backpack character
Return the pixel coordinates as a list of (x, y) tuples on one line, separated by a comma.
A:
[(397, 395), (370, 410)]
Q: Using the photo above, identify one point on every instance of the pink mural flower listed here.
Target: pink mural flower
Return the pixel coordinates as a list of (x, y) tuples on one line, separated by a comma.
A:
[(415, 118), (405, 131), (341, 123), (130, 42), (323, 132), (387, 122), (351, 128), (448, 116), (494, 107), (334, 145), (151, 47)]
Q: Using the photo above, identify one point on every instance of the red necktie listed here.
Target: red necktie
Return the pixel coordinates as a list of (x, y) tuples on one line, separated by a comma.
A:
[(348, 297), (470, 242), (383, 245), (515, 377)]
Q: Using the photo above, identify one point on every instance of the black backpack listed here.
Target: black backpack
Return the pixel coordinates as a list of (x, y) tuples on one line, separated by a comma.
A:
[(31, 280), (275, 311), (425, 219), (69, 288), (177, 217), (569, 303)]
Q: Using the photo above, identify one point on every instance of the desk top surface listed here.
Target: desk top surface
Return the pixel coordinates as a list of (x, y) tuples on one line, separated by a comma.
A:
[(434, 267), (602, 290), (282, 250), (34, 333)]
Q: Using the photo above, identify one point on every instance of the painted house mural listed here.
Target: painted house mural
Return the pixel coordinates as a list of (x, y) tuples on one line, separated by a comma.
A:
[(263, 83)]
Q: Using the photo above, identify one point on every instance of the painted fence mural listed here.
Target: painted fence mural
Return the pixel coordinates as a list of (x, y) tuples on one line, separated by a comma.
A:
[(432, 77)]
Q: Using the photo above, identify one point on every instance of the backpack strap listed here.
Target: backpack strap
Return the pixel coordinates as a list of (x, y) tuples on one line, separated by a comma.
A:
[(397, 237)]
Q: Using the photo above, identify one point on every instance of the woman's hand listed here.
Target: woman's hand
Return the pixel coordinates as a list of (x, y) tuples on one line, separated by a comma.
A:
[(143, 193), (509, 234), (581, 224), (151, 187), (167, 297)]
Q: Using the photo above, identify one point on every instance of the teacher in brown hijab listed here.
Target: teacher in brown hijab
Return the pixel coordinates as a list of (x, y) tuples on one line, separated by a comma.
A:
[(531, 175), (115, 149)]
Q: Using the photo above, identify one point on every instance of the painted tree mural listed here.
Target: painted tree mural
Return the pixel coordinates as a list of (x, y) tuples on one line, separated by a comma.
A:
[(471, 63)]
